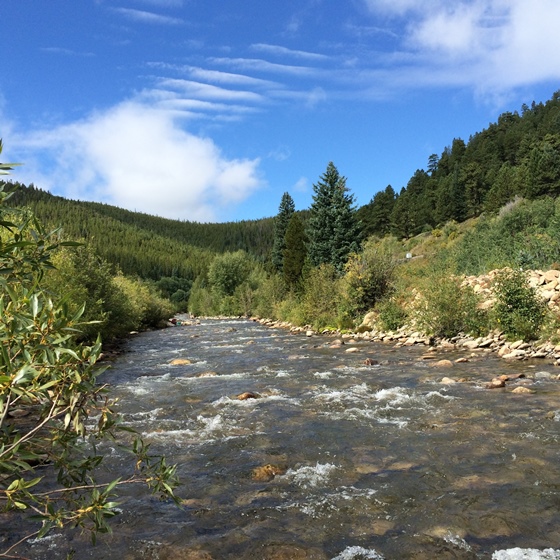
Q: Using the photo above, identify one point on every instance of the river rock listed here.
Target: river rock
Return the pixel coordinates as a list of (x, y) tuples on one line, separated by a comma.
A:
[(518, 390), (543, 375), (247, 395), (443, 363), (370, 362), (496, 383), (266, 473), (180, 362), (207, 374), (448, 381), (514, 355), (352, 350)]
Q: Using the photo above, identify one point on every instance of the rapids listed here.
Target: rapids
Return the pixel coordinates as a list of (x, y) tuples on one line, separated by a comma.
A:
[(381, 462)]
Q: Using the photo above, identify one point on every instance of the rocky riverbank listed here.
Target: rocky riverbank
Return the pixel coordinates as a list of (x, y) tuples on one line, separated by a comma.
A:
[(545, 283)]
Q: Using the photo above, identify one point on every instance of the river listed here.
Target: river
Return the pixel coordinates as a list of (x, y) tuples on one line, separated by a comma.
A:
[(374, 461)]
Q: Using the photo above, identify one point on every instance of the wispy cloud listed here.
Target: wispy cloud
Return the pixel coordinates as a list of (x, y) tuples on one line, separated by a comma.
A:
[(164, 3), (148, 17), (200, 90), (138, 158), (278, 50), (65, 52), (260, 65)]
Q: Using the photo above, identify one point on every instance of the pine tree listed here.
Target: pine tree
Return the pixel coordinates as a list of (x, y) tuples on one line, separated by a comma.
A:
[(295, 252), (285, 212), (333, 228)]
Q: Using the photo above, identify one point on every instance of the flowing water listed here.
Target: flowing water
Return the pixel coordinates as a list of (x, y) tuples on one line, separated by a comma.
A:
[(371, 461)]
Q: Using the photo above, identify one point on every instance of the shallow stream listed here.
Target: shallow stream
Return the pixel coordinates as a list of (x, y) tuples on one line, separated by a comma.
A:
[(371, 461)]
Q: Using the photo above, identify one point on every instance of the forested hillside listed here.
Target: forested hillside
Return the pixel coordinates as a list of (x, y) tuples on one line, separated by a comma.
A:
[(148, 246), (517, 156)]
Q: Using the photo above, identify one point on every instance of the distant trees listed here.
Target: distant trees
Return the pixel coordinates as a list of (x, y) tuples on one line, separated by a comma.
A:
[(285, 213), (518, 156), (333, 229)]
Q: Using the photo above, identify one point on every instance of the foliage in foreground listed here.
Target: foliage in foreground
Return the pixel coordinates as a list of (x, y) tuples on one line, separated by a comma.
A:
[(53, 412)]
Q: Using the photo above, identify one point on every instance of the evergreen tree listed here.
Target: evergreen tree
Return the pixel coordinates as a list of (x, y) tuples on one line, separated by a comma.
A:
[(333, 228), (285, 213), (295, 252), (376, 216)]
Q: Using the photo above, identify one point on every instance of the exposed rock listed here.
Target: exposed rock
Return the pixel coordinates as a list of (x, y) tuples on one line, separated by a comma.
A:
[(443, 363), (496, 383), (461, 360), (370, 362), (180, 362), (352, 350), (514, 355), (207, 374), (543, 375), (522, 390), (266, 472), (448, 381), (309, 333), (247, 395)]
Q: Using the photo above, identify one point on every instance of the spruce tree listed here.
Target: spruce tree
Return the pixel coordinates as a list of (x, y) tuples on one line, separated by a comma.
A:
[(333, 228), (285, 212), (295, 252)]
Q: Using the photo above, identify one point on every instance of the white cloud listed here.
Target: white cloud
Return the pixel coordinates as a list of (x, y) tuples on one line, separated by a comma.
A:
[(136, 157), (284, 51), (200, 90), (301, 185), (148, 17), (489, 45)]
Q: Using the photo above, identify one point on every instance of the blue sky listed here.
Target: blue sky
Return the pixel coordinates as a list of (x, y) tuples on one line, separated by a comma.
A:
[(209, 111)]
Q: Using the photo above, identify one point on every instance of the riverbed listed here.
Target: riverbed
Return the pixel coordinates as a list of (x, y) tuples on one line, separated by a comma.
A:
[(365, 460)]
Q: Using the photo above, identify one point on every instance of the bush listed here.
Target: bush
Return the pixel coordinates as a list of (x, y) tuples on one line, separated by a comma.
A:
[(321, 299), (50, 379), (369, 277), (391, 315), (448, 308), (518, 310)]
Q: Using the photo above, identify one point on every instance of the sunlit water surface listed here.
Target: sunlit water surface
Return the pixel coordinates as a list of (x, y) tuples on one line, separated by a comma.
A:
[(378, 461)]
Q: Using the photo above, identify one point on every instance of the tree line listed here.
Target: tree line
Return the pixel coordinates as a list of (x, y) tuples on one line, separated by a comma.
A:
[(519, 155)]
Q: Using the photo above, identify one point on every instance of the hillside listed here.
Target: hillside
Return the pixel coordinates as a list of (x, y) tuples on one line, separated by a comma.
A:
[(144, 245)]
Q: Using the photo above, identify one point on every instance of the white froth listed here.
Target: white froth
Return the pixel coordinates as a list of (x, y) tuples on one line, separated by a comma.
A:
[(526, 554), (358, 553), (309, 477)]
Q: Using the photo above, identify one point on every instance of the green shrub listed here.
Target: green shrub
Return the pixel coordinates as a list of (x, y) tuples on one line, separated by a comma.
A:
[(320, 303), (391, 315), (53, 380), (369, 276), (448, 308), (518, 310)]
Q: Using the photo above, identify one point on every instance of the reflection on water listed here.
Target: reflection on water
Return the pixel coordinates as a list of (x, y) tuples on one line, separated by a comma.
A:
[(378, 461)]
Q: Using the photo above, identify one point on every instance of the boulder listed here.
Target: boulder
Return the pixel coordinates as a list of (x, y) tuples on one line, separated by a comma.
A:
[(266, 473), (180, 362), (519, 390), (496, 383), (443, 363), (247, 395), (370, 362), (448, 381)]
